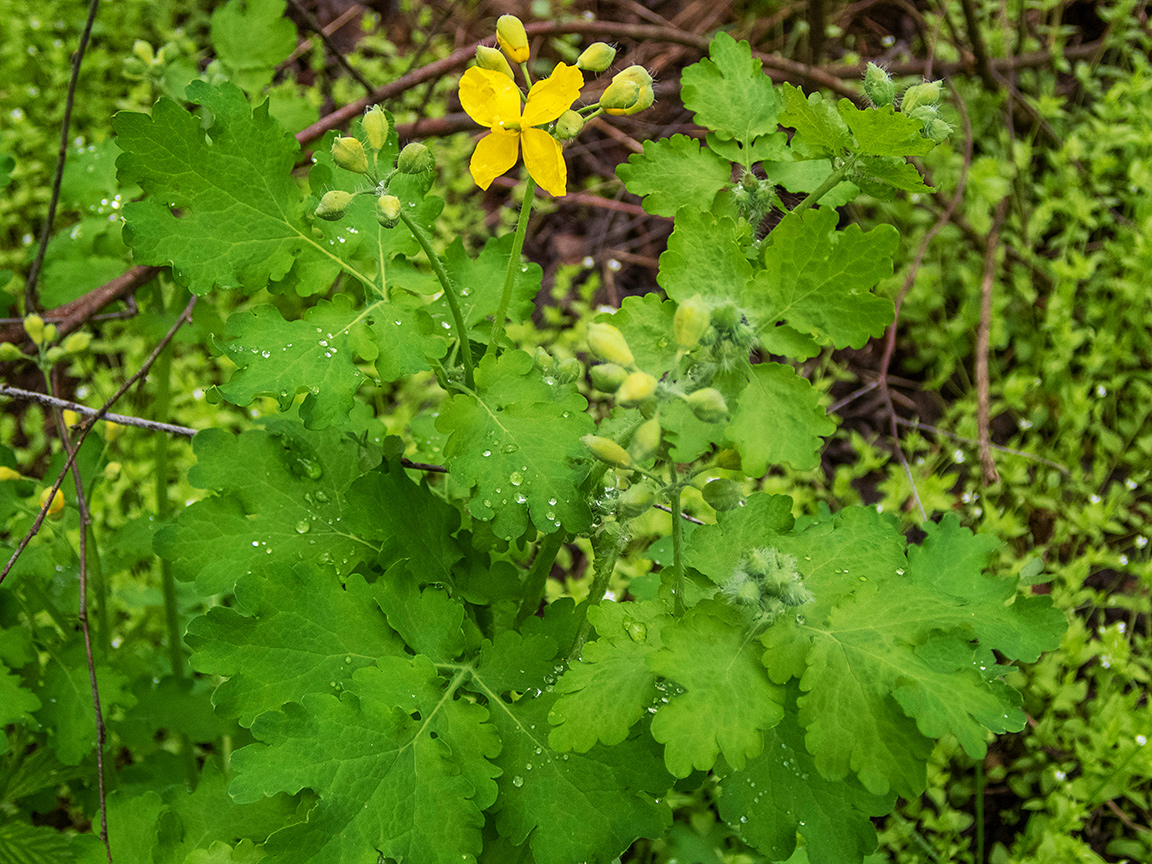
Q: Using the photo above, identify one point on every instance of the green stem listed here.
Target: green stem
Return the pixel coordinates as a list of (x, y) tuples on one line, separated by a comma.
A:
[(538, 575), (980, 811), (833, 178), (677, 542), (606, 548), (513, 265), (449, 292)]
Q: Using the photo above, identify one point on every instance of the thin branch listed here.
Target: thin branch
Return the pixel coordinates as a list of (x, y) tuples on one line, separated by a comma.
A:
[(979, 50), (30, 305), (306, 44), (683, 515), (983, 337), (317, 28), (185, 317), (122, 419), (925, 427)]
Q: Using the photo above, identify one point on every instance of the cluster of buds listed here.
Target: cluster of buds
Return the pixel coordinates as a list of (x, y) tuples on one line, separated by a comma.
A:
[(765, 584), (349, 153), (920, 101)]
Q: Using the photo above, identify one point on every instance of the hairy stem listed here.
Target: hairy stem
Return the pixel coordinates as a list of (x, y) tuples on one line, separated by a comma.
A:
[(825, 187), (677, 542), (606, 547), (538, 575), (513, 266), (449, 293)]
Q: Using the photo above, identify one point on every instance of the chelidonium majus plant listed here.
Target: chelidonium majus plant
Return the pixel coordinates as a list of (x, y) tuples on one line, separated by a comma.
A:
[(386, 640)]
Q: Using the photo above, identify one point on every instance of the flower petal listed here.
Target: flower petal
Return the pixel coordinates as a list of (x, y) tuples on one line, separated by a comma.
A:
[(545, 161), (489, 97), (495, 153), (550, 98)]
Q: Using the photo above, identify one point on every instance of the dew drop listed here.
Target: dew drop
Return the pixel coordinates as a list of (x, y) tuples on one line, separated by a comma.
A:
[(303, 526), (517, 781)]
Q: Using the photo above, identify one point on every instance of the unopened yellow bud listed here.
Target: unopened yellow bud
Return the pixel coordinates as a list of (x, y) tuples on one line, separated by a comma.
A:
[(708, 405), (608, 377), (493, 60), (34, 327), (636, 388), (607, 450), (8, 351), (7, 473), (691, 322), (77, 343), (388, 210), (71, 418), (629, 92), (112, 470), (112, 431), (144, 51), (646, 441), (597, 57), (54, 354), (568, 126), (50, 332), (927, 93), (333, 205), (349, 154), (376, 127), (608, 343), (512, 38), (57, 504), (415, 159)]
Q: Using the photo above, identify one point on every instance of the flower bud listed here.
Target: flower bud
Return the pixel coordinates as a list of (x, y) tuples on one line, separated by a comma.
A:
[(415, 159), (937, 129), (708, 405), (608, 377), (569, 371), (646, 441), (597, 57), (112, 470), (388, 210), (349, 154), (636, 388), (927, 93), (629, 92), (607, 450), (333, 205), (71, 418), (568, 126), (608, 343), (144, 51), (493, 60), (543, 361), (7, 473), (54, 354), (512, 38), (376, 127), (691, 322), (77, 343), (50, 332), (34, 327), (8, 351), (636, 499), (57, 505), (723, 494), (879, 86), (112, 431)]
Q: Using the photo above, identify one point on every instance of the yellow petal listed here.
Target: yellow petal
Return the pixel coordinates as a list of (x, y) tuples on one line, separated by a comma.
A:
[(550, 98), (489, 97), (545, 161), (495, 153)]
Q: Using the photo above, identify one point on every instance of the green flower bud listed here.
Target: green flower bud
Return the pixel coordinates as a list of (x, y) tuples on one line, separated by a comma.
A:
[(636, 388), (607, 450), (569, 371), (597, 57), (608, 377), (415, 159), (691, 322), (50, 332), (708, 405), (34, 327), (879, 86), (376, 127), (723, 494), (927, 93), (636, 499), (333, 205), (512, 38), (608, 343), (349, 154), (77, 343), (7, 474), (144, 51), (54, 354), (543, 360), (646, 441), (388, 210), (8, 351), (937, 129), (629, 92), (568, 126), (490, 58)]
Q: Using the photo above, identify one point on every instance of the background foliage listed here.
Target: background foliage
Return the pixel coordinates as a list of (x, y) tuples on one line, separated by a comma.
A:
[(1064, 143)]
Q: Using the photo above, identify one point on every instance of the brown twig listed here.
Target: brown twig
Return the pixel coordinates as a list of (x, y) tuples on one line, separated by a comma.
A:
[(30, 298), (185, 317), (317, 28), (122, 419), (979, 50), (983, 336), (306, 44)]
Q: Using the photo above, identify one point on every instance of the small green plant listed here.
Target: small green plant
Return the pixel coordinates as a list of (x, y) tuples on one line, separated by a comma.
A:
[(385, 658)]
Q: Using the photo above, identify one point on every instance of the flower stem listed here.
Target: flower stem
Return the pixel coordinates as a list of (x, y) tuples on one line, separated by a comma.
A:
[(677, 543), (449, 293), (833, 178), (513, 265)]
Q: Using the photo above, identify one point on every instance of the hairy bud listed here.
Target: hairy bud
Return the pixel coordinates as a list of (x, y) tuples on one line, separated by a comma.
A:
[(376, 127), (691, 322), (708, 405), (512, 38), (607, 450), (388, 210), (927, 93), (608, 343), (646, 441), (608, 377), (493, 60), (636, 388), (569, 370), (415, 159), (630, 92), (333, 205), (568, 126), (597, 57), (879, 86), (636, 499), (349, 154)]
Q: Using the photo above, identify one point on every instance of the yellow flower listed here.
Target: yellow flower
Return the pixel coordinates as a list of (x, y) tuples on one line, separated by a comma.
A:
[(493, 100)]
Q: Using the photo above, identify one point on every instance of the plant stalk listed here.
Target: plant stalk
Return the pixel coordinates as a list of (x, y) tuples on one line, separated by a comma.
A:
[(513, 266), (538, 575), (825, 187)]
